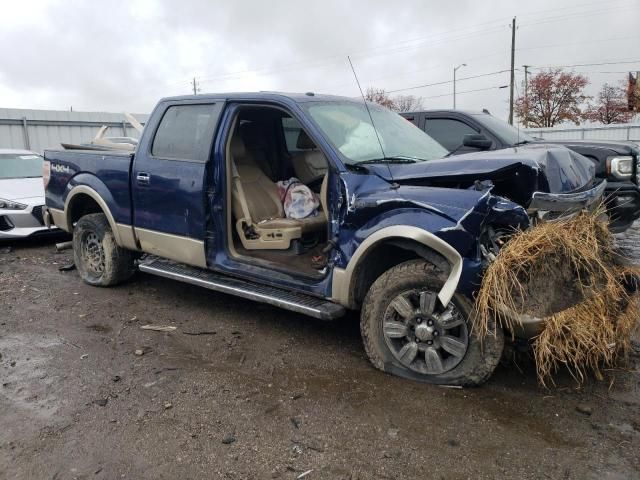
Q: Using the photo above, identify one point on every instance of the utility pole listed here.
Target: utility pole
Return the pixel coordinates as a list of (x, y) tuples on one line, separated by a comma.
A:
[(195, 86), (455, 69), (513, 69), (526, 92)]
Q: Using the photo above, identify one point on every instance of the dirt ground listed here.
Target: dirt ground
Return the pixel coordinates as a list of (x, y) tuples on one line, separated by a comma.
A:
[(246, 391)]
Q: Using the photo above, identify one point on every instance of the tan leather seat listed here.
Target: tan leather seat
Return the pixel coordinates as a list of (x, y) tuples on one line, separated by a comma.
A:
[(256, 206), (310, 164)]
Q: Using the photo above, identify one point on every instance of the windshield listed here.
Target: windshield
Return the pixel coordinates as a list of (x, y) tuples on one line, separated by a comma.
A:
[(20, 165), (505, 132), (348, 127)]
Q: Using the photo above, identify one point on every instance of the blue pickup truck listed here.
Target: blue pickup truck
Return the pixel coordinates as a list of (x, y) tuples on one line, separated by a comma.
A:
[(399, 233)]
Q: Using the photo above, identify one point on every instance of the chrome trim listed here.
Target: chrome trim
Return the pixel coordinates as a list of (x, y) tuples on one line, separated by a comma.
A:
[(343, 281), (127, 236), (299, 303), (58, 218), (567, 203), (175, 247)]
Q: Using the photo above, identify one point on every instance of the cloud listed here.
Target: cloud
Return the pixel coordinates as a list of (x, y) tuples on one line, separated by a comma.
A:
[(124, 55)]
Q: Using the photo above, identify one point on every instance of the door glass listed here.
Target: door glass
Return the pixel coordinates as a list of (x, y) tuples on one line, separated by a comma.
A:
[(448, 132), (186, 132), (292, 129)]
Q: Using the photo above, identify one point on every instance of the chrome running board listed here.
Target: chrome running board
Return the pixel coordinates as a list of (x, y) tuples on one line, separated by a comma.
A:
[(296, 302)]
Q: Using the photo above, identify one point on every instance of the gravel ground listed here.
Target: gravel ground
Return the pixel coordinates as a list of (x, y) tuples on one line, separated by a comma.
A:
[(245, 391)]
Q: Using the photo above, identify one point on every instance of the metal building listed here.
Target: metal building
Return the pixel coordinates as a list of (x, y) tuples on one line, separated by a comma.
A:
[(39, 129), (628, 131)]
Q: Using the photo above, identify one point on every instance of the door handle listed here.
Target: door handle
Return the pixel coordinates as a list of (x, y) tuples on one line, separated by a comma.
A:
[(143, 178)]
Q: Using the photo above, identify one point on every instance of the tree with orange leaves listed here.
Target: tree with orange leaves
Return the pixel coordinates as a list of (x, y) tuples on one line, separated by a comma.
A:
[(552, 97)]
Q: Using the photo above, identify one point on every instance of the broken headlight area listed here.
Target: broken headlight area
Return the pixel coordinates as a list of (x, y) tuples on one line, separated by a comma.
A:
[(493, 239), (504, 220)]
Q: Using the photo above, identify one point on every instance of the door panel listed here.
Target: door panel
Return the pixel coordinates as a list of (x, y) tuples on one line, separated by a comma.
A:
[(169, 183)]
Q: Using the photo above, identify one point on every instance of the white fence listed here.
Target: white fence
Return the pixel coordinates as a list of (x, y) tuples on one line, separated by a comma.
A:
[(39, 129), (629, 131)]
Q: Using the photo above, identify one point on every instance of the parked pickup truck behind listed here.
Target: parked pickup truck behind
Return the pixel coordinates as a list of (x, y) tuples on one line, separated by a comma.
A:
[(400, 233), (618, 162)]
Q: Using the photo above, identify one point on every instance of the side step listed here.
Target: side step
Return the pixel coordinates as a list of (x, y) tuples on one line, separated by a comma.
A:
[(297, 302)]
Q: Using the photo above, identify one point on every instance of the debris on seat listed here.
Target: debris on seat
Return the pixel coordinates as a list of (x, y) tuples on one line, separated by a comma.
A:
[(297, 199)]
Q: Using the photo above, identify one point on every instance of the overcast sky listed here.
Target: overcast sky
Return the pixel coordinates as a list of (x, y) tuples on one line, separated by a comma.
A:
[(124, 55)]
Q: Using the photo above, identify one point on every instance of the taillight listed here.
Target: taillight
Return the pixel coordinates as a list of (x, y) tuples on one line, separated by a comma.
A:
[(46, 172)]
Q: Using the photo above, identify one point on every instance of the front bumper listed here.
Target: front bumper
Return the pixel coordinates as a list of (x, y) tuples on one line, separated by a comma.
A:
[(623, 205), (550, 206), (23, 223)]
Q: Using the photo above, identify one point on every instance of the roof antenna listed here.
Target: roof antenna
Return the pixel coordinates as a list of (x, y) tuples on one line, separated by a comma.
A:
[(370, 116)]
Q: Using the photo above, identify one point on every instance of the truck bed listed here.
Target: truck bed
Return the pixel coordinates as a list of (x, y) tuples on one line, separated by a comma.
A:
[(106, 172)]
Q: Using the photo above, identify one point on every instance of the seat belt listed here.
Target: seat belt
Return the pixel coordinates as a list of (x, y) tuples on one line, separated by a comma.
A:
[(240, 189)]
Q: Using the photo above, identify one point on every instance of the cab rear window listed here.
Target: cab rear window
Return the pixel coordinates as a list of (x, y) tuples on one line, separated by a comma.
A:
[(186, 132)]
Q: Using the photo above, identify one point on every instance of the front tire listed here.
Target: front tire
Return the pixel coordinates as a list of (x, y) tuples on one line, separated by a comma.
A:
[(406, 332), (99, 260)]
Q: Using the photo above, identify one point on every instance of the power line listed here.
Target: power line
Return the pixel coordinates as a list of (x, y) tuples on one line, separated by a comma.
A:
[(576, 16), (408, 44), (444, 82), (467, 91), (578, 43), (588, 64), (436, 38), (572, 7)]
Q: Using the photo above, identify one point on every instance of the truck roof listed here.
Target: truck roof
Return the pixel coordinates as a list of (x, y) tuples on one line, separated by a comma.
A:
[(448, 110), (296, 97)]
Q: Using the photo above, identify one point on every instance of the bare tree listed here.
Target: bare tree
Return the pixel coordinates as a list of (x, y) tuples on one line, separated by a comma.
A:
[(612, 106), (408, 103), (399, 103), (380, 96), (553, 97)]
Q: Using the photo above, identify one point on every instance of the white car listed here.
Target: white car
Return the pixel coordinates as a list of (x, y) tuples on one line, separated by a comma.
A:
[(21, 194)]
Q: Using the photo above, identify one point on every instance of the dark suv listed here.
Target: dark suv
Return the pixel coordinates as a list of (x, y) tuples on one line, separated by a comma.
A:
[(618, 162)]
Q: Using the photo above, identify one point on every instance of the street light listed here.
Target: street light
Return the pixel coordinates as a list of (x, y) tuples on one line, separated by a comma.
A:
[(454, 82)]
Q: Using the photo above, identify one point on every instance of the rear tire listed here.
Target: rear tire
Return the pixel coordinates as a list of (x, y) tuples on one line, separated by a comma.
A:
[(99, 260), (406, 332)]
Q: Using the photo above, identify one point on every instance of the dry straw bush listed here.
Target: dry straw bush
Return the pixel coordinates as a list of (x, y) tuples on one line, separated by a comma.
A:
[(569, 274)]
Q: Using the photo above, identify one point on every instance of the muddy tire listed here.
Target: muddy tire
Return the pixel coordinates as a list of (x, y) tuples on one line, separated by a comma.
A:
[(406, 332), (99, 260)]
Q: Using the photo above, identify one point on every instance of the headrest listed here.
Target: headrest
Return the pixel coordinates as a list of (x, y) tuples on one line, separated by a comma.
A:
[(237, 147), (304, 142)]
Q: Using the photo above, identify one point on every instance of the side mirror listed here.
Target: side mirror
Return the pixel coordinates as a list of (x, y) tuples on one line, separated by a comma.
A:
[(476, 140)]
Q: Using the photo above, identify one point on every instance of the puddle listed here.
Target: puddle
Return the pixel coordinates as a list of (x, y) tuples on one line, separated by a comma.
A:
[(27, 380)]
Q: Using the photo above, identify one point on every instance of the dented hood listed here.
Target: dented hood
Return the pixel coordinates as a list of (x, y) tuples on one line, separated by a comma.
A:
[(549, 169)]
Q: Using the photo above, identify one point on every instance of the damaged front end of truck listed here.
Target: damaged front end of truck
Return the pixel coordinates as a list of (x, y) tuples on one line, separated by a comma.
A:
[(471, 203), (457, 215), (416, 232)]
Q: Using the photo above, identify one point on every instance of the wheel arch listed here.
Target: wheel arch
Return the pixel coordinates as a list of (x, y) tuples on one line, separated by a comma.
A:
[(83, 200), (386, 248)]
